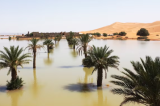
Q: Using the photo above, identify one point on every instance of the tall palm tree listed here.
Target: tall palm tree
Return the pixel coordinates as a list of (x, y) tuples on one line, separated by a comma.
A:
[(48, 43), (141, 85), (100, 59), (13, 58), (33, 46), (74, 42), (84, 39)]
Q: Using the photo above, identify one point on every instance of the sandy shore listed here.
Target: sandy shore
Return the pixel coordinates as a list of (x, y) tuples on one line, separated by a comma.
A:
[(131, 29), (120, 38)]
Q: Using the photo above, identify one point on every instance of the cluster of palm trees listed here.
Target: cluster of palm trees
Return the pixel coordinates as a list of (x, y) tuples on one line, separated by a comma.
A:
[(13, 58), (57, 38), (81, 42), (139, 86)]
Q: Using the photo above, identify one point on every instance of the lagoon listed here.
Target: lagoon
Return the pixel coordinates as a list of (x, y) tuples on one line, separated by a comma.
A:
[(61, 80)]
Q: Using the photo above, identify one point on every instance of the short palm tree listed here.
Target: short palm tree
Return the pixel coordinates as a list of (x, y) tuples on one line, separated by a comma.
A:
[(84, 39), (13, 58), (74, 42), (141, 85), (48, 43), (33, 46), (100, 58), (55, 39)]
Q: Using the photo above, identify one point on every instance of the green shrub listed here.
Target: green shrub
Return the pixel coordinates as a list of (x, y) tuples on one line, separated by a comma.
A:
[(116, 33), (104, 34), (143, 32), (10, 38), (17, 38), (122, 33), (15, 84), (98, 34)]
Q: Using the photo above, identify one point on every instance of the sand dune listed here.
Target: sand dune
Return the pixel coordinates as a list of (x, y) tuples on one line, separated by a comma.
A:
[(130, 28)]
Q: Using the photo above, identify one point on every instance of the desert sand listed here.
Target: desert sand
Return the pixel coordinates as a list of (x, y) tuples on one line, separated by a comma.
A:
[(131, 29)]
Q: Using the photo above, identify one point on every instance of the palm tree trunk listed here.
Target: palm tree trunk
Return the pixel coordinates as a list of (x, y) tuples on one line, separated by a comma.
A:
[(100, 77), (48, 48), (34, 60), (74, 47), (85, 51), (13, 74)]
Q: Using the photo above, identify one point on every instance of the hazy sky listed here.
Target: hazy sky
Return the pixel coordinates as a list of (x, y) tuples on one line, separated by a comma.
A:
[(20, 16)]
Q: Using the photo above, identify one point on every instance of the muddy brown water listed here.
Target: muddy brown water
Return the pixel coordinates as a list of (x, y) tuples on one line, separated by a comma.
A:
[(61, 80)]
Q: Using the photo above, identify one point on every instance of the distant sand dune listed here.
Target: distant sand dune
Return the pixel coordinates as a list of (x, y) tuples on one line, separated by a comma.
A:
[(130, 28)]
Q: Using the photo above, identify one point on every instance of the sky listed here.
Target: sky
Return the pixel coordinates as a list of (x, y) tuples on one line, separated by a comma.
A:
[(21, 16)]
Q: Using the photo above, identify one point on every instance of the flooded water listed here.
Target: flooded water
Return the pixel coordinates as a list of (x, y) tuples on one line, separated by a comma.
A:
[(60, 79)]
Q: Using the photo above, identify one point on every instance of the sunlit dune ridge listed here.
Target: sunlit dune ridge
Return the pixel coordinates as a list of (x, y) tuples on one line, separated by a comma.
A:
[(130, 28)]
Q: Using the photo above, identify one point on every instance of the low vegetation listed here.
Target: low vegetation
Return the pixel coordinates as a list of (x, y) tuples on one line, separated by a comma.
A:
[(15, 84), (10, 38), (143, 32), (116, 33), (122, 33), (104, 34)]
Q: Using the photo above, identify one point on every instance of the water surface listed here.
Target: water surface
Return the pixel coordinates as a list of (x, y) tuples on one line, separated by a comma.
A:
[(61, 80)]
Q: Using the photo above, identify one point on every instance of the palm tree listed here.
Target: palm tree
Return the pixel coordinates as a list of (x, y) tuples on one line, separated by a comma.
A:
[(83, 43), (59, 37), (33, 46), (141, 85), (55, 39), (48, 43), (100, 59), (74, 42), (13, 58)]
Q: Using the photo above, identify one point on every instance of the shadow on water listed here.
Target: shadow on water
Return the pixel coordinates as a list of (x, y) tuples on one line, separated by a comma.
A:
[(3, 88), (70, 66), (48, 61), (83, 85), (28, 68)]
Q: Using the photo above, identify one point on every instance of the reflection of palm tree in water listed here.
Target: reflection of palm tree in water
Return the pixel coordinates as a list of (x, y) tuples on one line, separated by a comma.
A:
[(74, 53), (35, 87), (84, 83), (57, 45), (15, 95), (101, 101), (48, 61), (70, 46), (88, 72)]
